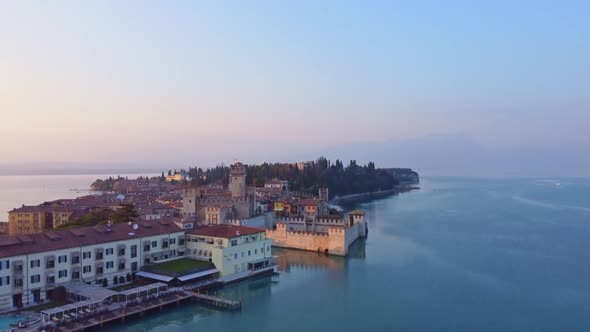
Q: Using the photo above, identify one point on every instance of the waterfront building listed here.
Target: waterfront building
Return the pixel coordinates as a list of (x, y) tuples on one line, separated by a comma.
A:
[(232, 249), (32, 266), (328, 234)]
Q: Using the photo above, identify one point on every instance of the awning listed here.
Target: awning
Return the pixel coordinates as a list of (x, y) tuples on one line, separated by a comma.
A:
[(146, 242), (99, 250), (122, 260), (17, 263), (262, 260), (50, 274), (75, 254), (197, 275), (157, 255), (121, 246), (99, 265), (76, 269), (154, 276), (181, 250), (50, 258), (19, 275)]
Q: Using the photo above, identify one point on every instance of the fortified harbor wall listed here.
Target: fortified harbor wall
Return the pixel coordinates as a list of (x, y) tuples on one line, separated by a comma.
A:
[(336, 241)]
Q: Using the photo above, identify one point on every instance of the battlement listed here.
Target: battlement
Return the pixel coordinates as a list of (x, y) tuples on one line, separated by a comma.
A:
[(297, 219)]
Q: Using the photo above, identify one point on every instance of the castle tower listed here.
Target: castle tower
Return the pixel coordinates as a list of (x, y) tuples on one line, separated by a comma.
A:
[(237, 180), (324, 194)]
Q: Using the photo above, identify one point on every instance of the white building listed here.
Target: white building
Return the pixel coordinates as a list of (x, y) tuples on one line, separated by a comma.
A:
[(277, 184), (32, 266), (233, 249)]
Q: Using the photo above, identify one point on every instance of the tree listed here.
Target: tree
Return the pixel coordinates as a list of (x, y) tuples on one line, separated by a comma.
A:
[(125, 213)]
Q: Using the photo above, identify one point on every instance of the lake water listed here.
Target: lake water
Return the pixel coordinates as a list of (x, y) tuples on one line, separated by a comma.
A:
[(36, 189), (458, 255)]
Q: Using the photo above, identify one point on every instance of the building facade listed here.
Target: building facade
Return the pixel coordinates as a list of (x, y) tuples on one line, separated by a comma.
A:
[(32, 266), (332, 235), (233, 249)]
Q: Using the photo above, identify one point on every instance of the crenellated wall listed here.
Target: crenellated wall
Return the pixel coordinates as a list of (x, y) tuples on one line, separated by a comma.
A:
[(336, 239)]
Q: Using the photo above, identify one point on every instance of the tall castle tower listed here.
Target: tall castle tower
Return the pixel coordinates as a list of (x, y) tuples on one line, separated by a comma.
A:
[(237, 180)]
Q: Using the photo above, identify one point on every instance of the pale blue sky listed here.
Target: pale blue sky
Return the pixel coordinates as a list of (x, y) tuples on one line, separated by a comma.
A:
[(187, 82)]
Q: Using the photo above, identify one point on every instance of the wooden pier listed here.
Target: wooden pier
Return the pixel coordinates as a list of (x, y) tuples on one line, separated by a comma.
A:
[(218, 302), (120, 314)]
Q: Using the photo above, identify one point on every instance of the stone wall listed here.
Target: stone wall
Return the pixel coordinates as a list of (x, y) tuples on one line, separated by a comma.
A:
[(335, 237)]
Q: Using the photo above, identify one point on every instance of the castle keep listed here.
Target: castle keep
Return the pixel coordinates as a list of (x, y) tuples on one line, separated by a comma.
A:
[(216, 205)]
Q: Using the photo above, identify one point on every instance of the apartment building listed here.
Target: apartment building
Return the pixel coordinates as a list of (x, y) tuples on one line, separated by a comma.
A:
[(33, 265), (233, 249)]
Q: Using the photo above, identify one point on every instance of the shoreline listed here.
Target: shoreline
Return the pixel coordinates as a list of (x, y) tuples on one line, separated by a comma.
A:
[(364, 197)]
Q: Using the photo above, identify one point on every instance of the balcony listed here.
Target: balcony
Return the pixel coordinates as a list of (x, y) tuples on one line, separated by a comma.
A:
[(18, 285), (50, 281)]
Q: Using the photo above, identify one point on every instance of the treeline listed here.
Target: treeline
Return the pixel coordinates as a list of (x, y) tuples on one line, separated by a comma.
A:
[(322, 173), (125, 213), (104, 185)]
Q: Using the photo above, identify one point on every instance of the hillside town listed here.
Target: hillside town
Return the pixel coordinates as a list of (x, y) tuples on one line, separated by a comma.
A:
[(183, 237)]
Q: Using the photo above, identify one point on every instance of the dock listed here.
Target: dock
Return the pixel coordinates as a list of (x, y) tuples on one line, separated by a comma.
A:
[(119, 314), (218, 302)]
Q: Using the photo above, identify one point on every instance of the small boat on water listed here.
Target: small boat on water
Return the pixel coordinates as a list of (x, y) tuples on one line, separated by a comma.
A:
[(557, 184)]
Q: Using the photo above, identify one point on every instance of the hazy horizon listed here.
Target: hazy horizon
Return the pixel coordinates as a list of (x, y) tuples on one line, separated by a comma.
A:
[(454, 88)]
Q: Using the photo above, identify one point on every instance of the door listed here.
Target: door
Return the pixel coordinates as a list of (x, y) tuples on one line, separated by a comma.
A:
[(17, 300), (36, 295)]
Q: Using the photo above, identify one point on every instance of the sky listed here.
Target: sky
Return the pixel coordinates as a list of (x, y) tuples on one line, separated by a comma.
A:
[(177, 83)]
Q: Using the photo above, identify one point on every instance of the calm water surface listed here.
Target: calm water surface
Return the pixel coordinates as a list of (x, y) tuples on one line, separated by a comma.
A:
[(36, 189), (458, 255)]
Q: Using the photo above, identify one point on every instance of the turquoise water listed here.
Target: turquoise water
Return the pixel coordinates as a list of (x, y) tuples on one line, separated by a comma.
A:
[(5, 321), (458, 255)]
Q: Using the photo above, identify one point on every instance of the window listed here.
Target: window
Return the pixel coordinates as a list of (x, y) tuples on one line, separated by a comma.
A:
[(109, 251), (242, 254), (133, 251), (236, 256), (172, 241), (110, 265), (62, 259), (4, 281), (35, 263), (262, 249), (121, 266), (63, 274), (255, 251), (165, 243), (4, 264), (35, 279), (181, 241), (154, 244), (234, 243), (86, 269), (86, 255), (75, 275), (134, 267), (248, 252)]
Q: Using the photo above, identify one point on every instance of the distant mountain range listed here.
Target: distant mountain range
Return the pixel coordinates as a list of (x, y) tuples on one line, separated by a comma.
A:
[(460, 155)]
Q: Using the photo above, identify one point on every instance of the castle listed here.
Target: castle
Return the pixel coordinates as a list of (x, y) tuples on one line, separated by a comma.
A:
[(215, 205), (328, 234)]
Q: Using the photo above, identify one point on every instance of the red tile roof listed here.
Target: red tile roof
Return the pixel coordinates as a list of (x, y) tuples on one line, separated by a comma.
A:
[(21, 245), (226, 231)]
